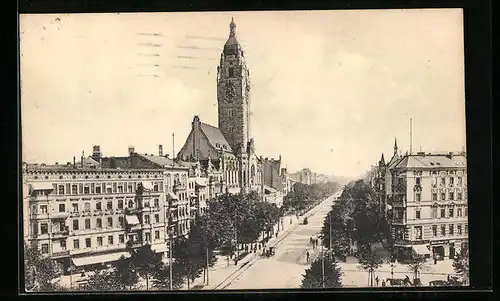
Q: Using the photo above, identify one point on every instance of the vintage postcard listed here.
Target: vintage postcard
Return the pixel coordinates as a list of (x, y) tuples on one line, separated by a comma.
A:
[(243, 150)]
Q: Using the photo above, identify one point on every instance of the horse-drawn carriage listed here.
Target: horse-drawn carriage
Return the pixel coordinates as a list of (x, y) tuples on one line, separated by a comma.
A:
[(399, 282), (269, 252), (451, 281)]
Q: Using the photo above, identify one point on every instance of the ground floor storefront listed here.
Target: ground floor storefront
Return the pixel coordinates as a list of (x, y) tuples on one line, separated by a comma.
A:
[(446, 249), (435, 250)]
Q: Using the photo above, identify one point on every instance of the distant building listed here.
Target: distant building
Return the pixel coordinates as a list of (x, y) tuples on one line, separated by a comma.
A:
[(428, 200)]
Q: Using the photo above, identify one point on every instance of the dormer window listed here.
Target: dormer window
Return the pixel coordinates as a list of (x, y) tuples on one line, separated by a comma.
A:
[(231, 72)]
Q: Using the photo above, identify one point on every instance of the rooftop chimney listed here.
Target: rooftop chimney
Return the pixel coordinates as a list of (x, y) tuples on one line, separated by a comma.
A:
[(160, 150), (96, 153), (131, 150), (74, 162)]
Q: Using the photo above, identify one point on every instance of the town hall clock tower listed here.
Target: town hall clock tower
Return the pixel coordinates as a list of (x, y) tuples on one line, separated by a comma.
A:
[(233, 94)]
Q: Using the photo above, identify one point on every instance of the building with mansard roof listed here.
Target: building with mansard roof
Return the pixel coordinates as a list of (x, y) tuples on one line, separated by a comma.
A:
[(429, 204)]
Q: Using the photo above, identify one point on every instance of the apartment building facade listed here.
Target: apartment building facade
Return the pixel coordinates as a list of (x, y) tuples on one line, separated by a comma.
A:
[(429, 205), (83, 217)]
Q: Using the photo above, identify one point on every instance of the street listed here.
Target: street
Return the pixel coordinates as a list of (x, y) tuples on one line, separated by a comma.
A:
[(285, 268)]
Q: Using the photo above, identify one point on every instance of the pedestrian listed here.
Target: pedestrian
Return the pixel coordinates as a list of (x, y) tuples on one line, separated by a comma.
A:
[(435, 259), (307, 256), (376, 280), (383, 283), (277, 234), (448, 278), (290, 221)]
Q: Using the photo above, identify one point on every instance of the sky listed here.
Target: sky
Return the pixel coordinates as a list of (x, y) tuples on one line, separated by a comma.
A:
[(331, 90)]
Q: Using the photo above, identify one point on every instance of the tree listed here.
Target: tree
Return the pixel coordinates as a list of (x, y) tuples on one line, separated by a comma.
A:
[(369, 261), (161, 277), (103, 280), (125, 273), (417, 264), (40, 270), (191, 252), (145, 262), (313, 278), (461, 263)]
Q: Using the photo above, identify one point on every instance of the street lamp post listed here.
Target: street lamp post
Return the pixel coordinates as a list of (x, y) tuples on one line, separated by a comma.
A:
[(322, 268), (170, 238), (330, 222)]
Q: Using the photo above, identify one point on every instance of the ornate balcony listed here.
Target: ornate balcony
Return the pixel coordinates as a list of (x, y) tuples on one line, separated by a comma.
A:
[(57, 215)]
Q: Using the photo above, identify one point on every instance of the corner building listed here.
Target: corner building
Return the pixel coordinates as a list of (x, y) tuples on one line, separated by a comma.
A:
[(83, 217), (429, 205)]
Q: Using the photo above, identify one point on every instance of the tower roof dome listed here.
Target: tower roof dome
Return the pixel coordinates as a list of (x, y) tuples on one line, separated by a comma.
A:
[(232, 45)]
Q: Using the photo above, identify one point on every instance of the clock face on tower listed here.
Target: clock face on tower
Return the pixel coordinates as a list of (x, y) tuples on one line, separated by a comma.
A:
[(230, 92)]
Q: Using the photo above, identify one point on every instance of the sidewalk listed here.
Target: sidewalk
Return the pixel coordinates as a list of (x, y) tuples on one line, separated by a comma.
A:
[(221, 271)]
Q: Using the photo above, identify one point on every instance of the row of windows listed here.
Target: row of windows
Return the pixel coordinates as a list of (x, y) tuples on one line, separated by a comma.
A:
[(451, 181), (451, 196), (443, 230), (97, 223), (460, 210), (99, 241), (43, 209), (100, 188)]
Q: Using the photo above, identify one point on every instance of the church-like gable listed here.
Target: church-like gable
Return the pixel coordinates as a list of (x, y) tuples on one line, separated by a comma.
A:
[(204, 141)]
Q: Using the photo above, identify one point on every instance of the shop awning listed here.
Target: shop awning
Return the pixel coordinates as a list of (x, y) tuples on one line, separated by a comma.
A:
[(172, 196), (421, 250), (42, 186), (269, 189), (147, 185), (82, 261), (132, 219), (201, 182), (159, 248)]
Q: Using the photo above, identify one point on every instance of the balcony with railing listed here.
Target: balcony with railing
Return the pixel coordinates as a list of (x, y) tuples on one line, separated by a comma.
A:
[(97, 249), (56, 215), (39, 215), (399, 187), (178, 186), (398, 220), (60, 253), (399, 201), (40, 198), (60, 233)]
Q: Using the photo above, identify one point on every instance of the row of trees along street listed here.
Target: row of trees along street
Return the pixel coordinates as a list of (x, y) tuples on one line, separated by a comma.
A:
[(302, 196), (356, 217), (231, 222)]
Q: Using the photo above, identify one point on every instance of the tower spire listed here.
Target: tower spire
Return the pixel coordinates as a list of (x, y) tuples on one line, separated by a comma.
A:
[(395, 146), (232, 28)]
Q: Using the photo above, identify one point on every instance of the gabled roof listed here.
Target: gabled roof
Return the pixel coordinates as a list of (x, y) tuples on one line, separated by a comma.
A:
[(215, 137), (394, 160), (161, 161), (432, 161), (90, 161)]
